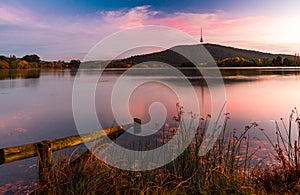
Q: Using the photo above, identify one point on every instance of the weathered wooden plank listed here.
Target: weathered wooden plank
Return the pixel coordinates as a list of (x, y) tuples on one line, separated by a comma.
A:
[(19, 152), (15, 153), (44, 148)]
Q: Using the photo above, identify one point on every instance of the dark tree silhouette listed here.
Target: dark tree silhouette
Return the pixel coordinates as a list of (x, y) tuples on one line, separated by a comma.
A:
[(32, 58), (75, 63), (288, 62), (277, 61)]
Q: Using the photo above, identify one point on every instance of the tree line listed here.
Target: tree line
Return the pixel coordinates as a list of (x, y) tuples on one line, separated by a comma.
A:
[(239, 61), (34, 61)]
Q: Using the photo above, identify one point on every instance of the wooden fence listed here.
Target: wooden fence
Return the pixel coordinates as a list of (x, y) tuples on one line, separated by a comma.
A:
[(45, 148)]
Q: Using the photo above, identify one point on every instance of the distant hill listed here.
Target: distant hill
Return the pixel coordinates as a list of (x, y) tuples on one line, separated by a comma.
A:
[(218, 52), (223, 55)]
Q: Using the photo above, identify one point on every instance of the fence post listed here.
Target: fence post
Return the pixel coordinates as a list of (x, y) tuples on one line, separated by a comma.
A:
[(2, 158), (137, 125), (45, 159)]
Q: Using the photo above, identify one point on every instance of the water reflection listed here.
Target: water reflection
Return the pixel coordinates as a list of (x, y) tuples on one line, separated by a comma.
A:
[(251, 72), (37, 104), (229, 75), (73, 71), (24, 74)]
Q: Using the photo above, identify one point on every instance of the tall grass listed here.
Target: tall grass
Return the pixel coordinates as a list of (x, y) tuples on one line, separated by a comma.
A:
[(282, 176), (225, 169)]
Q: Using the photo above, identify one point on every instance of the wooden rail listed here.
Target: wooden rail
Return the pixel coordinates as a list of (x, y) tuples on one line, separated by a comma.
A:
[(45, 148)]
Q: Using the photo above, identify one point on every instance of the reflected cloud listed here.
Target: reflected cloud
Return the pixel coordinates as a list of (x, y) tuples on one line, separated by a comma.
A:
[(2, 125), (21, 130), (21, 115)]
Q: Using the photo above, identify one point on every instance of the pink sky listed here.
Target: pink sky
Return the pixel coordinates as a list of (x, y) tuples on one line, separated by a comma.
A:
[(68, 37)]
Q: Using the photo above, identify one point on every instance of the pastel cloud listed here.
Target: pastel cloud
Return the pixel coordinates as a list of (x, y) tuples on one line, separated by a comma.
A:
[(263, 32), (23, 32), (136, 16), (52, 37), (13, 15)]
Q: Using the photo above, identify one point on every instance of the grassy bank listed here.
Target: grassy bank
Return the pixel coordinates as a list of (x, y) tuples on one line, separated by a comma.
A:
[(227, 168)]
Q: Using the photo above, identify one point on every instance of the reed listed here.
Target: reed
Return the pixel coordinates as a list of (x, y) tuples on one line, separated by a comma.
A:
[(283, 175), (225, 169)]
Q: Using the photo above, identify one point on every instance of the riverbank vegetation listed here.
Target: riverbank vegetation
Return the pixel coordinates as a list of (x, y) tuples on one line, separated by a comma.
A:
[(33, 61), (230, 167), (223, 56), (240, 62)]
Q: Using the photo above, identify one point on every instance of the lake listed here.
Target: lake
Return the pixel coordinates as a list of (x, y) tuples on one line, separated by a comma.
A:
[(36, 105)]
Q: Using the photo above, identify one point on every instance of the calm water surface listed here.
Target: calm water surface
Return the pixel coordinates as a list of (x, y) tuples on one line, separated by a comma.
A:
[(37, 105)]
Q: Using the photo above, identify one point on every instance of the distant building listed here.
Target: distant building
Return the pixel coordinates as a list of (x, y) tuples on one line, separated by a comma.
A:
[(201, 38)]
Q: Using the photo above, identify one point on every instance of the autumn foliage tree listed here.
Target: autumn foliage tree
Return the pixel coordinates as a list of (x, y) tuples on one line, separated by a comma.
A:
[(4, 64), (22, 64)]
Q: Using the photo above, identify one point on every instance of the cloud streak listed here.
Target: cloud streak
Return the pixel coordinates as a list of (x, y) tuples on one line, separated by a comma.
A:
[(67, 37), (14, 15)]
